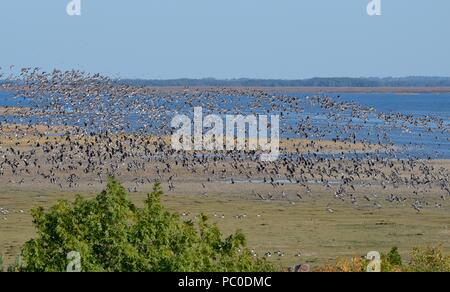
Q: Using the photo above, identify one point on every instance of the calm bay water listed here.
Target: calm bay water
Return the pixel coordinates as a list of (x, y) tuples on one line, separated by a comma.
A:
[(416, 140)]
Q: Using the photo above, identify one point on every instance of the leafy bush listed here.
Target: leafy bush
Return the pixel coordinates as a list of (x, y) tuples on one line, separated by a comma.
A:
[(394, 257), (392, 262), (429, 259), (111, 234)]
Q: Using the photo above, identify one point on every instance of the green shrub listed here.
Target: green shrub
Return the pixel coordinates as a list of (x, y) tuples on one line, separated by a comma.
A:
[(394, 258), (392, 262), (1, 263), (111, 234)]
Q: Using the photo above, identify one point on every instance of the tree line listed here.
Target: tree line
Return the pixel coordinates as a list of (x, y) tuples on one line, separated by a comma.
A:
[(313, 82)]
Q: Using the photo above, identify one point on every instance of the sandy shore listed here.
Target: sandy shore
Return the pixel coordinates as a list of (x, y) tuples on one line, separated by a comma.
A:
[(4, 111)]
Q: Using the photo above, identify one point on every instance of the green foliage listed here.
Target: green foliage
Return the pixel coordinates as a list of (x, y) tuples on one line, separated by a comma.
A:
[(429, 259), (111, 234), (394, 257), (392, 262), (1, 263)]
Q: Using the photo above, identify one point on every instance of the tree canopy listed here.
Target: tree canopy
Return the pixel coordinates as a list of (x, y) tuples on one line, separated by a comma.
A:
[(112, 234)]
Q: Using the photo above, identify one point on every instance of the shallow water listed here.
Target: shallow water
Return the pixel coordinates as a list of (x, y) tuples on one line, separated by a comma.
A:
[(417, 140)]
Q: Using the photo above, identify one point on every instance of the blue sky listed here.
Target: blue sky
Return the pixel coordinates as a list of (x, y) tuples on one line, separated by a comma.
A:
[(288, 39)]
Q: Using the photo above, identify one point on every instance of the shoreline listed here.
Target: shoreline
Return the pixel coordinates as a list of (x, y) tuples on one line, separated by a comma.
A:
[(287, 89)]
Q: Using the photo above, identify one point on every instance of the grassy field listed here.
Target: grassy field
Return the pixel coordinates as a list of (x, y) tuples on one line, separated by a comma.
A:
[(302, 228)]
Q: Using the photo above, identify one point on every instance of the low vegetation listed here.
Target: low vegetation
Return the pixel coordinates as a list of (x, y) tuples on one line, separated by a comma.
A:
[(428, 259), (16, 267), (355, 264)]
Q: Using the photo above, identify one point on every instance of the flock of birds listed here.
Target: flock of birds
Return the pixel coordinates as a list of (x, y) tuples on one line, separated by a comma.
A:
[(78, 128), (4, 212)]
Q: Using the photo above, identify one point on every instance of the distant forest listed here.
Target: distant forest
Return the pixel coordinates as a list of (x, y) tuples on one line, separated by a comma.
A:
[(313, 82)]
